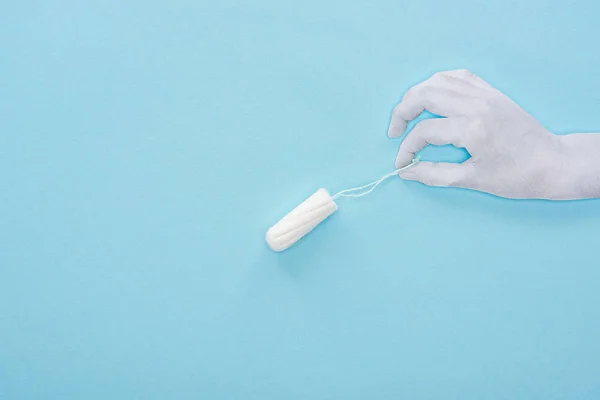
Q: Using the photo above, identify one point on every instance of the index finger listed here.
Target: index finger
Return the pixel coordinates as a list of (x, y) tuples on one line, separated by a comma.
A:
[(441, 94)]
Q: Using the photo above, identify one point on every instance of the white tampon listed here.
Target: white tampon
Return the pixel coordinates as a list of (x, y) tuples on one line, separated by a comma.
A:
[(301, 220), (314, 210)]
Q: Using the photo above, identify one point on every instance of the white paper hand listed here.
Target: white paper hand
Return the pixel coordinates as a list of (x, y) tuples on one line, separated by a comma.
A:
[(512, 154)]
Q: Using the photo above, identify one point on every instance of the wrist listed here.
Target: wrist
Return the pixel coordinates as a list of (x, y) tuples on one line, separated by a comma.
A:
[(575, 169)]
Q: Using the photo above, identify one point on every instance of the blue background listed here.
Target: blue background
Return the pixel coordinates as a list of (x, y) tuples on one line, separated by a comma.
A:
[(146, 146)]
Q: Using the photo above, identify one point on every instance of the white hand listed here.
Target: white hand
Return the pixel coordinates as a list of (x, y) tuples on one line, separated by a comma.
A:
[(512, 155)]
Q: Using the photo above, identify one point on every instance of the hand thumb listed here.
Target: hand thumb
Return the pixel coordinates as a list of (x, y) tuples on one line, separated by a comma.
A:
[(438, 174)]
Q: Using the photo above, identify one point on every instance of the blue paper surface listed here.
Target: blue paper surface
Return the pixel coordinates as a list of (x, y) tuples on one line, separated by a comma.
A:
[(146, 147)]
